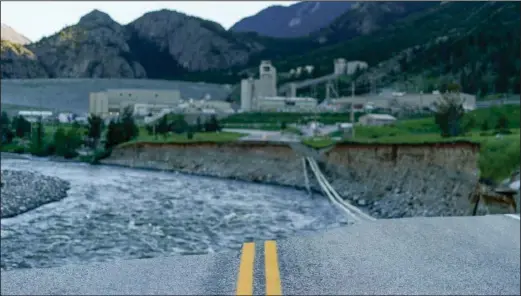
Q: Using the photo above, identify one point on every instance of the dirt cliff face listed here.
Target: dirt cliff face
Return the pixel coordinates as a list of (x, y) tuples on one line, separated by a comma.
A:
[(274, 164), (405, 180), (388, 181)]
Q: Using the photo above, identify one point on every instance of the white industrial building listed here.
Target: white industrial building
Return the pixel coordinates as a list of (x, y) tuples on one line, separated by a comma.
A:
[(349, 68), (261, 94), (34, 116), (113, 101), (376, 119), (147, 103)]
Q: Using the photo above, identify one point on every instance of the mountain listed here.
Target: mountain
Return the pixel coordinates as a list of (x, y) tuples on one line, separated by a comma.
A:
[(296, 20), (16, 60), (475, 44), (167, 42), (162, 44), (11, 35), (19, 62), (365, 18)]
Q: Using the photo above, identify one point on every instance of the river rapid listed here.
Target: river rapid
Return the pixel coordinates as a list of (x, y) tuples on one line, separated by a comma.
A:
[(113, 213)]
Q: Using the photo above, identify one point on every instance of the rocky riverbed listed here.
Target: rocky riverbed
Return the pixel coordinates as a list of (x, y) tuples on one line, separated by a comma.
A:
[(23, 191)]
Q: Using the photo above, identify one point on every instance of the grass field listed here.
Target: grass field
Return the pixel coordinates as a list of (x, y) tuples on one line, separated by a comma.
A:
[(220, 137)]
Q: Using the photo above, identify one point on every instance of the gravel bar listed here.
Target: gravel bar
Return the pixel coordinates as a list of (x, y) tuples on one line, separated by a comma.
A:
[(23, 191)]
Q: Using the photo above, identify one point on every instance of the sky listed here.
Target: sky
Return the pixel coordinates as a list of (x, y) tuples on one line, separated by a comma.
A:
[(37, 19)]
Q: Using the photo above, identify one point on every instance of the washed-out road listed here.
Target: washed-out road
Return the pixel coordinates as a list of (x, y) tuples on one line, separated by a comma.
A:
[(436, 256)]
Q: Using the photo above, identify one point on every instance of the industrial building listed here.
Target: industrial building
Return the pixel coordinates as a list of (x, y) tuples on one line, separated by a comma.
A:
[(34, 116), (376, 119), (261, 94), (113, 101), (283, 104), (149, 103), (397, 100)]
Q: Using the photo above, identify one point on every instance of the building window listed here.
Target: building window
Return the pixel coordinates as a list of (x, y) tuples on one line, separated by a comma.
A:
[(289, 103)]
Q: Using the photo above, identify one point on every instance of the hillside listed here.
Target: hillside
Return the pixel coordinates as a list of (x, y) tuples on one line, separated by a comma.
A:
[(297, 20), (161, 44), (13, 36), (473, 43)]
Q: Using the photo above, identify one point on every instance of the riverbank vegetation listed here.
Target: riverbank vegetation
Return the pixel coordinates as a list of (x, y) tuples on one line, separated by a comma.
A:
[(96, 139), (496, 129)]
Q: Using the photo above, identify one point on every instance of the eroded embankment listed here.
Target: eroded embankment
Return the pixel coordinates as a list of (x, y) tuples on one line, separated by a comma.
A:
[(404, 180), (248, 161), (389, 181)]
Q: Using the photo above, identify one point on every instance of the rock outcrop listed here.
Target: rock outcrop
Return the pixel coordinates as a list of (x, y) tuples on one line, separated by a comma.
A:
[(196, 44), (95, 47), (19, 62)]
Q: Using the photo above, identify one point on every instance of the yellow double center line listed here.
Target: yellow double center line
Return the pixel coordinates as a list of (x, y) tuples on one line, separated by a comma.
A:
[(245, 280)]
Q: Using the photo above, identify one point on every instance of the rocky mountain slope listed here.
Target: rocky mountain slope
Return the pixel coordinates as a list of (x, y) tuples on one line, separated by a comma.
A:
[(296, 20), (364, 18), (161, 44), (465, 42), (95, 47), (16, 60), (11, 35), (19, 62)]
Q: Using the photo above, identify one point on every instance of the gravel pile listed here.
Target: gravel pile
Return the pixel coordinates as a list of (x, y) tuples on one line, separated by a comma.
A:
[(23, 191)]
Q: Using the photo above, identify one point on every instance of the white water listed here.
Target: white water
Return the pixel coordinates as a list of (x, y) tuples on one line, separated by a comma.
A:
[(115, 213)]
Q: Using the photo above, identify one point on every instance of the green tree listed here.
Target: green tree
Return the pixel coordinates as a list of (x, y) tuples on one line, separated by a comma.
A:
[(21, 126), (502, 122), (4, 120), (129, 128), (115, 134), (74, 141), (60, 142), (198, 125), (449, 114), (484, 126), (37, 139), (178, 124), (283, 125), (212, 125), (94, 129), (7, 134), (190, 133), (162, 127)]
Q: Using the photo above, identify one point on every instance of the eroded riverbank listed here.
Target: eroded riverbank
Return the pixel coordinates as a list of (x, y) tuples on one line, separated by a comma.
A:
[(387, 181)]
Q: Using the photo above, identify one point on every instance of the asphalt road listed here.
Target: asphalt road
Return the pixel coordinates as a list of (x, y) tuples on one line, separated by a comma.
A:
[(445, 255)]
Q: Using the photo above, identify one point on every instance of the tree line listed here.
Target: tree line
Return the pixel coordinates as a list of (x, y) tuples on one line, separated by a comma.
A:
[(20, 136)]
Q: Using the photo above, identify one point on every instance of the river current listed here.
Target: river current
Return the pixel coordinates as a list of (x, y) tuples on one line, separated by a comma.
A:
[(116, 213)]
